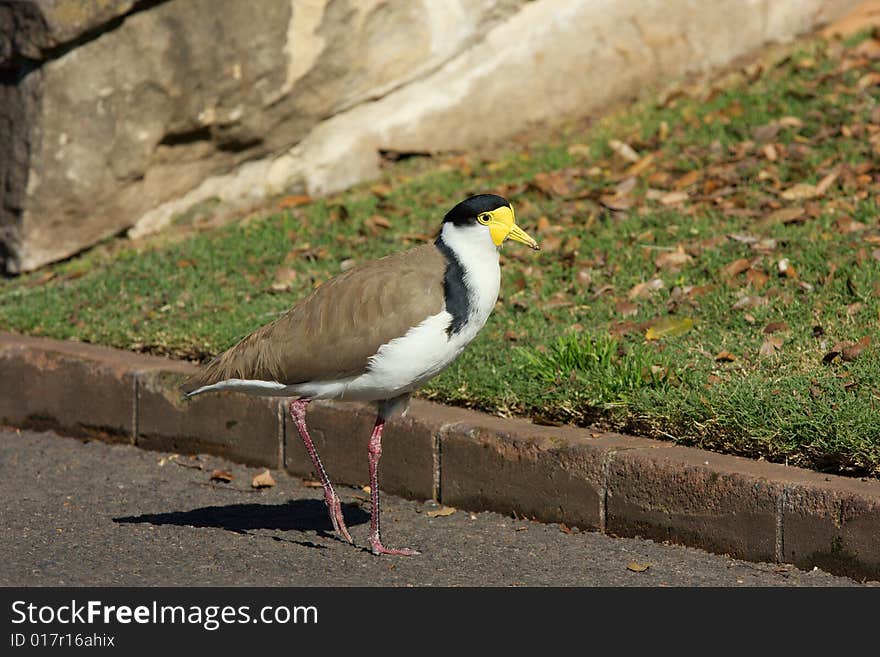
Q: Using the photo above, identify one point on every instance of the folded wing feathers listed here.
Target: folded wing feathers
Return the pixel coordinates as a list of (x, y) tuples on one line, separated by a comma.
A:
[(334, 331)]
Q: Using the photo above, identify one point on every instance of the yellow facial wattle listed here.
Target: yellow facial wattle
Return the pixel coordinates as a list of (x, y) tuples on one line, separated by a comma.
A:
[(502, 226)]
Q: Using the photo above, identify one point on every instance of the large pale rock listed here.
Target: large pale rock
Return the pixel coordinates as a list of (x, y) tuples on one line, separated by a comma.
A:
[(184, 90), (30, 30), (185, 100)]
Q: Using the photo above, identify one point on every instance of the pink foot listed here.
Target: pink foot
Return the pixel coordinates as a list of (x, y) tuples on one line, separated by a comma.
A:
[(334, 506), (377, 548)]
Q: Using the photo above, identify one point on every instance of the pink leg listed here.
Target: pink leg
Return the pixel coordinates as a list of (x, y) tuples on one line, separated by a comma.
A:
[(334, 506), (375, 449)]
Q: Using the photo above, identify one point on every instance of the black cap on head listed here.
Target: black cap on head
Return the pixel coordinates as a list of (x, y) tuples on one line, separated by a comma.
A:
[(467, 211)]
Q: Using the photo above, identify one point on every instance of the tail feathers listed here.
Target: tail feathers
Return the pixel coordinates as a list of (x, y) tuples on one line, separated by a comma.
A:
[(252, 359)]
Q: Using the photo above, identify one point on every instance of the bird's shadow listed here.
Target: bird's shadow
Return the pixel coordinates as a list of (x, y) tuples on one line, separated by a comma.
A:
[(296, 515)]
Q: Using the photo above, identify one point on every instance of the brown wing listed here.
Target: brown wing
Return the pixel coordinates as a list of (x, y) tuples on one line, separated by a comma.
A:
[(333, 332)]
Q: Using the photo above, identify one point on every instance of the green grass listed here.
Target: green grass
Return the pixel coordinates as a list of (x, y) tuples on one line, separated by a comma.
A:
[(570, 338)]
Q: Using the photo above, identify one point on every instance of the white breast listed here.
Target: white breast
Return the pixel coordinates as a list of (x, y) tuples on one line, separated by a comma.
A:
[(407, 362)]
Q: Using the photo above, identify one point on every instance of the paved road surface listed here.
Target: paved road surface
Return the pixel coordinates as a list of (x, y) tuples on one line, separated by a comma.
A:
[(78, 513)]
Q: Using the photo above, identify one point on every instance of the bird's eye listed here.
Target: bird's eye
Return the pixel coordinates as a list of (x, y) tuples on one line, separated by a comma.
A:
[(484, 218)]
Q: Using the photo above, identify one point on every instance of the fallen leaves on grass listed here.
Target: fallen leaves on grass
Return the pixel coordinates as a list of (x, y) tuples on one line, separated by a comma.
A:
[(294, 201), (552, 184), (673, 260), (626, 309), (749, 301), (644, 290), (848, 351), (770, 346), (669, 327), (673, 198), (376, 223), (735, 268), (775, 327), (624, 150), (785, 216), (283, 281), (802, 191)]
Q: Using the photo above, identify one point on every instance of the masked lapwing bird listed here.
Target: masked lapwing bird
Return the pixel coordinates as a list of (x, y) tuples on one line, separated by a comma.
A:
[(376, 333)]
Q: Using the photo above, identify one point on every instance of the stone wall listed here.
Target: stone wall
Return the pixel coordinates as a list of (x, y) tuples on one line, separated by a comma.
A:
[(117, 114)]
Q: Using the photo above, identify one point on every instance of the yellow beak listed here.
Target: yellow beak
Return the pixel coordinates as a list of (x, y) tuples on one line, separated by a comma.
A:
[(502, 226)]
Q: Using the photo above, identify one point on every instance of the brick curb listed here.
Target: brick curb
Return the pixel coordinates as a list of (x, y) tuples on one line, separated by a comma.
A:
[(622, 485)]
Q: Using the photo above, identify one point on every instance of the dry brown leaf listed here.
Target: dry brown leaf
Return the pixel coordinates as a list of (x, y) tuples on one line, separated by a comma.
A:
[(221, 475), (849, 354), (673, 260), (579, 150), (749, 301), (687, 179), (869, 48), (377, 221), (725, 356), (766, 132), (552, 183), (441, 512), (616, 202), (799, 192), (644, 290), (640, 166), (604, 289), (284, 279), (736, 267), (826, 182), (847, 224), (551, 243), (381, 190), (868, 80), (626, 186), (775, 327), (756, 278), (785, 216), (674, 198), (637, 567), (294, 201), (771, 346), (803, 191), (626, 309), (263, 480), (571, 246), (624, 150)]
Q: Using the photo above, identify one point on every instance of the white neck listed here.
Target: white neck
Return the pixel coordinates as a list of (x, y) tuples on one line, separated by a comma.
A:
[(478, 255)]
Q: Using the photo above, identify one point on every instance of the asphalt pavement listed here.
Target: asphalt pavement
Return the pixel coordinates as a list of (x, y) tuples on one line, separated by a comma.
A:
[(89, 513)]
